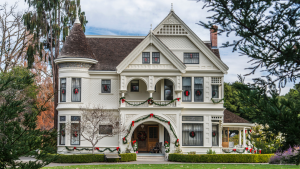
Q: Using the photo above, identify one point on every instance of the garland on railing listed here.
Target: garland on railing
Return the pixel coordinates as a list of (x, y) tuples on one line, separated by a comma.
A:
[(149, 100), (167, 147), (217, 101), (96, 148), (149, 116), (233, 150)]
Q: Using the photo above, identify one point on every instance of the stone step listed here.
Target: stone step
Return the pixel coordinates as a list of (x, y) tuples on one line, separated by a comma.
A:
[(150, 158)]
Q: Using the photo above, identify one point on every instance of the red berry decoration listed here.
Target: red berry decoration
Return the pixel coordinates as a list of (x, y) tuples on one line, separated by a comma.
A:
[(76, 90), (198, 93), (192, 134), (186, 93), (63, 91)]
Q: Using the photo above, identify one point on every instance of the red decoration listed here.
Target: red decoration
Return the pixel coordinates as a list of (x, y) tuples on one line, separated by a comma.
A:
[(123, 100), (234, 149), (97, 148), (246, 148), (191, 56), (178, 99), (251, 150), (245, 131), (166, 142), (192, 134), (124, 138), (186, 93), (75, 134), (250, 131), (74, 148), (118, 148), (133, 142), (151, 115), (132, 123), (198, 92), (63, 91), (105, 88), (75, 90), (145, 59), (177, 140), (259, 151), (169, 122), (254, 151), (155, 59)]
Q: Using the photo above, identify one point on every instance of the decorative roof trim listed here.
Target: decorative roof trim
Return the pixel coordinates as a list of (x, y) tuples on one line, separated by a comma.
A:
[(238, 124), (114, 36), (198, 42), (159, 45), (63, 59)]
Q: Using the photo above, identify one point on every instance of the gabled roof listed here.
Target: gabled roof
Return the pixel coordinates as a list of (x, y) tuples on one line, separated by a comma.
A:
[(111, 51), (230, 117), (212, 54), (151, 39), (76, 45)]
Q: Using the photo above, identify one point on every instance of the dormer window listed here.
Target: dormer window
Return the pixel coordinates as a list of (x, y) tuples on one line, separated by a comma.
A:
[(191, 58), (146, 57), (156, 57)]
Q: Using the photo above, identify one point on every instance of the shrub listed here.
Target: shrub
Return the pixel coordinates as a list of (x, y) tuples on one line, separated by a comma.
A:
[(285, 157), (221, 158), (210, 151), (89, 158)]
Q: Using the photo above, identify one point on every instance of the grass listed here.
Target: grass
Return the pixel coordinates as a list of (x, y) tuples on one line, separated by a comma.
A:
[(172, 166)]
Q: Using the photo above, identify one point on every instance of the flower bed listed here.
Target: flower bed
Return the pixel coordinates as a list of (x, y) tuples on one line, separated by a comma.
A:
[(221, 158), (285, 157)]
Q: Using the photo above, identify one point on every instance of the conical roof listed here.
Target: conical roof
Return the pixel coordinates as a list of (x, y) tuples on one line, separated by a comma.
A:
[(76, 45)]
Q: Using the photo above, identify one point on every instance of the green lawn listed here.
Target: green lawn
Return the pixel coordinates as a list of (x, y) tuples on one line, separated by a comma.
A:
[(172, 166)]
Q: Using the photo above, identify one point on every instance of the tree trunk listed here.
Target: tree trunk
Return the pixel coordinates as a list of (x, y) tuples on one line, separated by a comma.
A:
[(93, 149)]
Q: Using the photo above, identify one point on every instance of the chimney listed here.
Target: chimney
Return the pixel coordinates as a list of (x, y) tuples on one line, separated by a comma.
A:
[(214, 37)]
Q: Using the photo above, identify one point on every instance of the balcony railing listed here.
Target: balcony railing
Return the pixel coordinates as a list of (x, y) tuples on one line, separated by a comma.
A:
[(135, 103)]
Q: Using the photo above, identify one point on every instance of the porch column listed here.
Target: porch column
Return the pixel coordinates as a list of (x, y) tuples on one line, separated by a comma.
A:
[(123, 104), (249, 137), (150, 95), (240, 137), (244, 137), (178, 93)]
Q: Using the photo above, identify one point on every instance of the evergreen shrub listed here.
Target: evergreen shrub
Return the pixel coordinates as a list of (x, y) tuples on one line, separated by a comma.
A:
[(90, 158), (221, 158)]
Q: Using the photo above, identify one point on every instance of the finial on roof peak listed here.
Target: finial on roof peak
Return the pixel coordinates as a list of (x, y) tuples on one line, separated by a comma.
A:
[(150, 27), (172, 7), (77, 17)]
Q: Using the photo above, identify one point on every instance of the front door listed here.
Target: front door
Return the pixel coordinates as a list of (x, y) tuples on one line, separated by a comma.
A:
[(152, 136)]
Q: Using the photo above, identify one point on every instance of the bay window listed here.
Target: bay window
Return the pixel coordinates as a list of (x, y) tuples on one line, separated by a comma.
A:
[(186, 87), (75, 130), (198, 89), (63, 90), (76, 89)]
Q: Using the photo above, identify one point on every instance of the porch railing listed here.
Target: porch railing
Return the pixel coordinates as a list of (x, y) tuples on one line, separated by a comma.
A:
[(135, 103)]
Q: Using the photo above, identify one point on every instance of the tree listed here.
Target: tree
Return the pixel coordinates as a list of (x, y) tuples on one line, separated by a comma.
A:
[(95, 124), (18, 115), (50, 22), (269, 35)]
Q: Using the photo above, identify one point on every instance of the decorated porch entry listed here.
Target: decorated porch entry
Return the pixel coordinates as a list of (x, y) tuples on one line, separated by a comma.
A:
[(125, 141)]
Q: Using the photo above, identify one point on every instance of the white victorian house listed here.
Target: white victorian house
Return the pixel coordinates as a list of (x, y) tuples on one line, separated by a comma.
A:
[(171, 65)]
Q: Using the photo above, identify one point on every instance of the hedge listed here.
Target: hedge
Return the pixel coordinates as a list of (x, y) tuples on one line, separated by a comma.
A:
[(221, 158), (90, 158)]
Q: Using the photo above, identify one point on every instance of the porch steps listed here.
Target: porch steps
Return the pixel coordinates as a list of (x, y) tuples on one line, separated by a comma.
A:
[(150, 158)]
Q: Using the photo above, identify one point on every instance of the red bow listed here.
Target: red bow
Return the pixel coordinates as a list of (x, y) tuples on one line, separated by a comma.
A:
[(76, 91), (178, 99), (134, 141), (245, 131), (166, 142), (234, 149), (187, 93), (74, 148), (168, 122), (124, 139), (151, 115), (246, 148), (254, 151), (250, 131), (97, 148), (123, 100), (177, 140), (118, 148), (251, 150), (132, 123)]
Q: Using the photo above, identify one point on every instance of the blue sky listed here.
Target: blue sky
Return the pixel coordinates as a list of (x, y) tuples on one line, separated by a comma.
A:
[(133, 17)]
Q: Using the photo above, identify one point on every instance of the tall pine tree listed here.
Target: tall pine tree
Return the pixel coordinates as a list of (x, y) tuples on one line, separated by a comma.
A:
[(50, 22)]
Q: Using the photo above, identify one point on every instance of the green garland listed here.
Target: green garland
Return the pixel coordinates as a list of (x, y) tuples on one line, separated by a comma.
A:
[(154, 116), (88, 149), (217, 101), (149, 100), (230, 151)]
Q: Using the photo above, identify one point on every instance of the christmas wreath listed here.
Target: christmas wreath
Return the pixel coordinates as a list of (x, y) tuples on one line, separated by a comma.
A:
[(76, 90), (192, 134), (150, 101), (214, 93), (105, 88), (63, 133), (142, 136), (75, 134), (214, 134), (63, 91), (186, 93), (198, 92)]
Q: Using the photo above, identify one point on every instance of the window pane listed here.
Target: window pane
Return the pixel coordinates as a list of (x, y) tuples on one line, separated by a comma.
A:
[(215, 91), (155, 57), (198, 89), (186, 87), (146, 57), (134, 85), (105, 129), (63, 89), (76, 89), (192, 118), (75, 118), (166, 135), (196, 139), (62, 133), (191, 58), (75, 136), (105, 86), (168, 89), (215, 135), (62, 118)]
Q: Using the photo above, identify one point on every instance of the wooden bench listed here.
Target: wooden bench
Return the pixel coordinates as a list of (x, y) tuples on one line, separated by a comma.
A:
[(111, 156)]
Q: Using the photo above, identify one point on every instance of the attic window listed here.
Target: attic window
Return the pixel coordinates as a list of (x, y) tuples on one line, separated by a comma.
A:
[(146, 57), (191, 58), (155, 57)]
